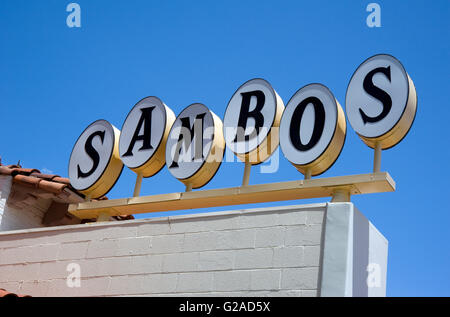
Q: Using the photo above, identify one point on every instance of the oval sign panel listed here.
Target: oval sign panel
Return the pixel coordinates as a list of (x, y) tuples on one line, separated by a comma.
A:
[(381, 101), (95, 165), (312, 129), (251, 121), (144, 134), (195, 146)]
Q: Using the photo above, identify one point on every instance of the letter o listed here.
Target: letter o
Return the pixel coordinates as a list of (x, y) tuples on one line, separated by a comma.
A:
[(312, 129)]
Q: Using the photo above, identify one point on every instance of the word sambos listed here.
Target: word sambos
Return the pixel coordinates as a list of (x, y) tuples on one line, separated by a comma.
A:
[(310, 129)]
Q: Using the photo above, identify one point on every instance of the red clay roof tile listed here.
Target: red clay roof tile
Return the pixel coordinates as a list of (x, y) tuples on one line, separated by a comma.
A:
[(61, 180), (5, 170), (26, 170), (52, 187), (27, 180), (52, 183), (44, 176), (5, 293)]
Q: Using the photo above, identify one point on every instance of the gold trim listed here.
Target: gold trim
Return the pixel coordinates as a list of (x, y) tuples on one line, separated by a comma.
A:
[(401, 128), (158, 160), (270, 143), (332, 152), (110, 174), (214, 159), (292, 190)]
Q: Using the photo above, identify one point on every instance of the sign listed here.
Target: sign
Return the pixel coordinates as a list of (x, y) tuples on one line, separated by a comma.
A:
[(95, 165), (251, 121), (380, 103), (195, 146), (142, 144), (312, 129)]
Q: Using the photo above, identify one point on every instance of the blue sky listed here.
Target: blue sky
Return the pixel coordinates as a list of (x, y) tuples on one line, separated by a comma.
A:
[(56, 80)]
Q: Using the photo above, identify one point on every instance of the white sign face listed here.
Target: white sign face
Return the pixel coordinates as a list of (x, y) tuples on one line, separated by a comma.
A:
[(190, 141), (377, 96), (308, 124), (249, 116), (92, 156), (142, 132)]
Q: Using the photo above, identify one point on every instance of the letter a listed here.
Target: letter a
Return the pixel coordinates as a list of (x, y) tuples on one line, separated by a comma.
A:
[(374, 18), (74, 18)]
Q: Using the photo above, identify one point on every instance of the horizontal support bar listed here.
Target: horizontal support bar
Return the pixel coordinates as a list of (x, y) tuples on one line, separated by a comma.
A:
[(292, 190)]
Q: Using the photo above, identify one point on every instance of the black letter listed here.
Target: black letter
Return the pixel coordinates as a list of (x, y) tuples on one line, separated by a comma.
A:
[(255, 113), (93, 154), (377, 93), (319, 123), (146, 119), (186, 128)]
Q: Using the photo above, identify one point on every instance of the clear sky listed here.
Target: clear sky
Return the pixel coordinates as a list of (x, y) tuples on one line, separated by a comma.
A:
[(56, 80)]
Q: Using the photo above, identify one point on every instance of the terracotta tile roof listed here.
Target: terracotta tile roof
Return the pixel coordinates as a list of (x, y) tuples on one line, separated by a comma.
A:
[(32, 177), (5, 293), (50, 183)]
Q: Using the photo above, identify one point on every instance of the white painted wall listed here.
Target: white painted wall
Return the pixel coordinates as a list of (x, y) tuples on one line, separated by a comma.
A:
[(261, 252), (13, 218)]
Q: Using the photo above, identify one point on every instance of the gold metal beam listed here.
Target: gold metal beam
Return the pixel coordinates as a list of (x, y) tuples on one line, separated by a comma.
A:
[(292, 190)]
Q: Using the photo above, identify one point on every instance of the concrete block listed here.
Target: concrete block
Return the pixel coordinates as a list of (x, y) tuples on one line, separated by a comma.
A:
[(300, 278), (101, 248), (146, 264), (127, 284), (153, 228), (200, 241), (288, 293), (94, 286), (58, 288), (290, 218), (232, 280), (88, 287), (222, 221), (58, 269), (169, 243), (160, 283), (115, 231), (315, 217), (258, 220), (35, 253), (253, 258), (34, 288), (195, 282), (309, 293), (76, 250), (216, 260), (193, 223), (19, 272), (288, 256), (235, 239), (13, 287), (269, 237), (114, 266), (134, 246), (265, 279), (303, 235), (312, 255), (180, 262)]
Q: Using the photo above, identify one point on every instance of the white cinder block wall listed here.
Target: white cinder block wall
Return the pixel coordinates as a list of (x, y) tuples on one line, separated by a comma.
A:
[(12, 218), (272, 251)]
